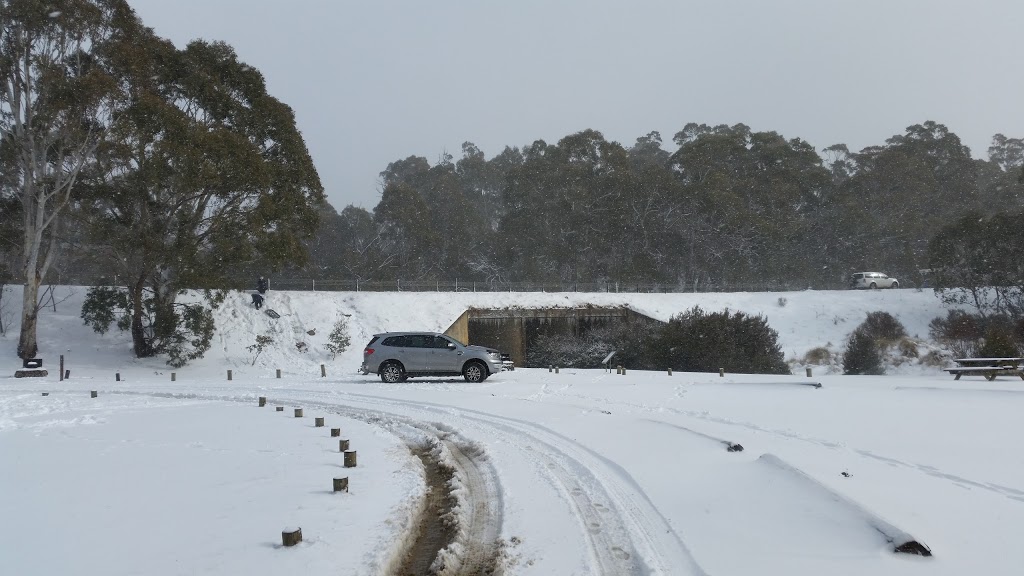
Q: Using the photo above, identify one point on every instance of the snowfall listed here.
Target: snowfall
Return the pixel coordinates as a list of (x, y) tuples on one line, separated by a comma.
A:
[(580, 472)]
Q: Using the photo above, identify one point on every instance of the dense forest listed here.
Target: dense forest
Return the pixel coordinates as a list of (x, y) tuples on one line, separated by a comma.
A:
[(725, 207)]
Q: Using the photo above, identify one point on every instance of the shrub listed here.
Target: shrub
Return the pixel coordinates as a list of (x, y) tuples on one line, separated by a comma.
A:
[(782, 301), (262, 343), (339, 340), (861, 356), (957, 325), (908, 348), (632, 342), (882, 328), (697, 341), (998, 344), (819, 355)]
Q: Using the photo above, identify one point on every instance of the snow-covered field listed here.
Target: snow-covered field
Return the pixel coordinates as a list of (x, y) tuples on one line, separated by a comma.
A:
[(581, 472)]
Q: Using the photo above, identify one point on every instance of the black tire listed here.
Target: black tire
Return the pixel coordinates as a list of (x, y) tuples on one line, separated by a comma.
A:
[(895, 285), (873, 286), (391, 372), (474, 372)]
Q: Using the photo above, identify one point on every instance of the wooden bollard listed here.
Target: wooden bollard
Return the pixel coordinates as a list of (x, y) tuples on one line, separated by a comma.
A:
[(67, 373), (46, 393), (291, 536), (117, 377), (808, 371), (263, 401), (173, 376), (280, 408), (318, 422), (323, 371), (551, 368), (93, 394), (721, 372), (669, 371), (556, 369), (278, 372), (298, 412), (623, 370), (229, 374), (61, 373), (350, 459), (341, 484), (342, 445), (335, 432)]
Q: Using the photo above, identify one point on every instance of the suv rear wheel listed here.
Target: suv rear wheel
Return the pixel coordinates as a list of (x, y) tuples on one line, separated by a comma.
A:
[(474, 372), (391, 372), (895, 285)]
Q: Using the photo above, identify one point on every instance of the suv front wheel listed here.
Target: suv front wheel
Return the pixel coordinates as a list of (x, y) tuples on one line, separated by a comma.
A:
[(474, 372), (392, 373)]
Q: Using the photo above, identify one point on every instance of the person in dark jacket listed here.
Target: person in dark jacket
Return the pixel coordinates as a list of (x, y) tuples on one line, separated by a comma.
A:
[(262, 284), (257, 300)]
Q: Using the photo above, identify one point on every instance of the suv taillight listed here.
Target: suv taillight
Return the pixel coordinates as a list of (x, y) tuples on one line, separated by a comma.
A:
[(368, 351)]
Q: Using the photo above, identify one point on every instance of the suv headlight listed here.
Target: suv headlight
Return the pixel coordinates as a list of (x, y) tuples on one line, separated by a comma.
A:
[(494, 355)]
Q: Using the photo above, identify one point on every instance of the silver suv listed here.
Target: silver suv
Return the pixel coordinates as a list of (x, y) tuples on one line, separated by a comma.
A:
[(396, 356), (872, 281)]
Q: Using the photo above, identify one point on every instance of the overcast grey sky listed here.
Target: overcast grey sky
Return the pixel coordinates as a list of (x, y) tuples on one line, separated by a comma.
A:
[(376, 81)]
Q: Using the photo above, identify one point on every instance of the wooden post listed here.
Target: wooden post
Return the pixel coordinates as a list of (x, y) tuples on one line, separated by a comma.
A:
[(350, 459), (117, 377), (721, 372), (173, 376), (323, 371), (291, 536), (61, 367), (341, 484), (93, 394), (67, 374), (669, 371), (263, 401), (556, 369), (623, 370), (335, 432), (278, 372), (229, 374), (298, 412), (808, 371), (280, 409), (551, 368), (46, 393), (342, 445), (318, 421)]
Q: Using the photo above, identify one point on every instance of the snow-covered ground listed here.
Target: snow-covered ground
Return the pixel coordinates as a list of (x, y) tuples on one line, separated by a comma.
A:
[(581, 472)]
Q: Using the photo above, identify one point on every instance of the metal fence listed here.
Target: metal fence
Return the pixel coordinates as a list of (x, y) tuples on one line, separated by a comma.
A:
[(470, 286)]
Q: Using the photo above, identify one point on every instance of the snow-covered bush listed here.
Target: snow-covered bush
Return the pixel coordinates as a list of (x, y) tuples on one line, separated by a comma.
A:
[(339, 340), (883, 328), (861, 356), (698, 341)]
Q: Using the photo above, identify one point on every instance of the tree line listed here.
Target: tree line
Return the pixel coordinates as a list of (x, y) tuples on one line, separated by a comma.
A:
[(725, 206)]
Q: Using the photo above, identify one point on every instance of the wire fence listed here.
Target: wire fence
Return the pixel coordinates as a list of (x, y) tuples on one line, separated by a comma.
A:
[(310, 284)]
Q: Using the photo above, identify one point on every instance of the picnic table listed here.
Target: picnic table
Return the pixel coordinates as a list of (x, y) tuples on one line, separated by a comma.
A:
[(987, 367)]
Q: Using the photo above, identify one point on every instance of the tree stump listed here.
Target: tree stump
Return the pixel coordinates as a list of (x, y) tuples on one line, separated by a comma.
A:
[(291, 536), (280, 408), (319, 422), (335, 432), (341, 484), (93, 394), (350, 459), (343, 445), (298, 412), (263, 401)]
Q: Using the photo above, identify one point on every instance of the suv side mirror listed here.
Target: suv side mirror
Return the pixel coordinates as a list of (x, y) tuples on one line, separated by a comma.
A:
[(450, 346)]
